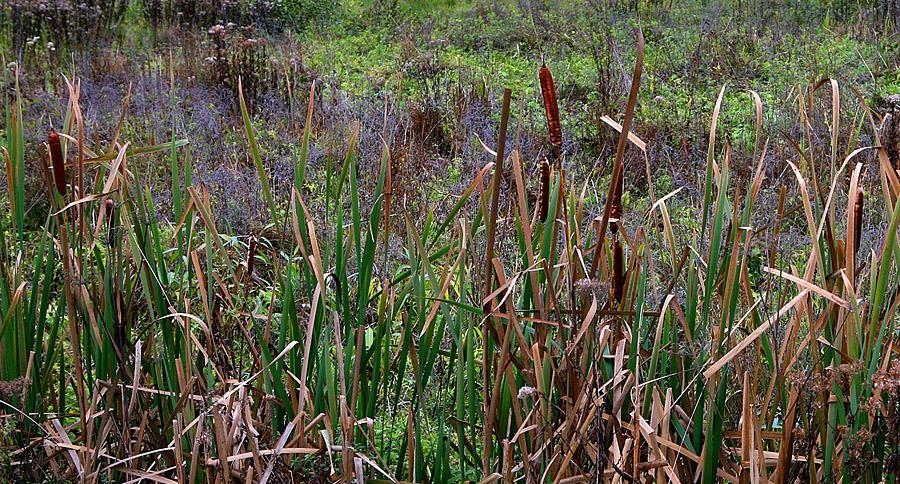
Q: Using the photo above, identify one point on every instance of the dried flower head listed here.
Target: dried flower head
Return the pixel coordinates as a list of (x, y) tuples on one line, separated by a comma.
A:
[(14, 388), (587, 287)]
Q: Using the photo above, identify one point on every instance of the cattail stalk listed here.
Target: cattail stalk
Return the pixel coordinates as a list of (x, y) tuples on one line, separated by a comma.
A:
[(548, 91), (56, 161), (487, 327)]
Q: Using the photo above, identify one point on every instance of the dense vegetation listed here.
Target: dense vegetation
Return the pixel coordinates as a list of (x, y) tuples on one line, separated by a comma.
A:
[(315, 241)]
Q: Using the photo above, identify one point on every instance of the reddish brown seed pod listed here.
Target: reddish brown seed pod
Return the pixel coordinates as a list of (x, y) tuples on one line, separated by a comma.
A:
[(544, 193), (548, 91), (56, 161), (618, 271), (858, 205)]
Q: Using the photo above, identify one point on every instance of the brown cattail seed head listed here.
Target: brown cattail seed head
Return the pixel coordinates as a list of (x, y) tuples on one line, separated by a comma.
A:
[(857, 217), (544, 194), (56, 161), (618, 271), (550, 106), (615, 211)]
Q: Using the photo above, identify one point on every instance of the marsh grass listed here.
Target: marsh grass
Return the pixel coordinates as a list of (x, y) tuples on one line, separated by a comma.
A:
[(508, 341)]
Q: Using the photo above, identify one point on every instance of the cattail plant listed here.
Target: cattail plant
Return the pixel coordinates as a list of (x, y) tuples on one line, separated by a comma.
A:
[(57, 161), (548, 91)]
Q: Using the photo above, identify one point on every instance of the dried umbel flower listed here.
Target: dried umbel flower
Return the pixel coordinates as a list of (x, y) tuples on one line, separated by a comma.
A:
[(587, 287), (14, 388), (888, 380), (56, 161), (552, 109), (544, 193), (217, 29), (858, 205)]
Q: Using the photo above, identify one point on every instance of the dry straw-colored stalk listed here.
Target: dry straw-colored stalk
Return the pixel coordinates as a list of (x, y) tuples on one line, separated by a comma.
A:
[(858, 206)]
